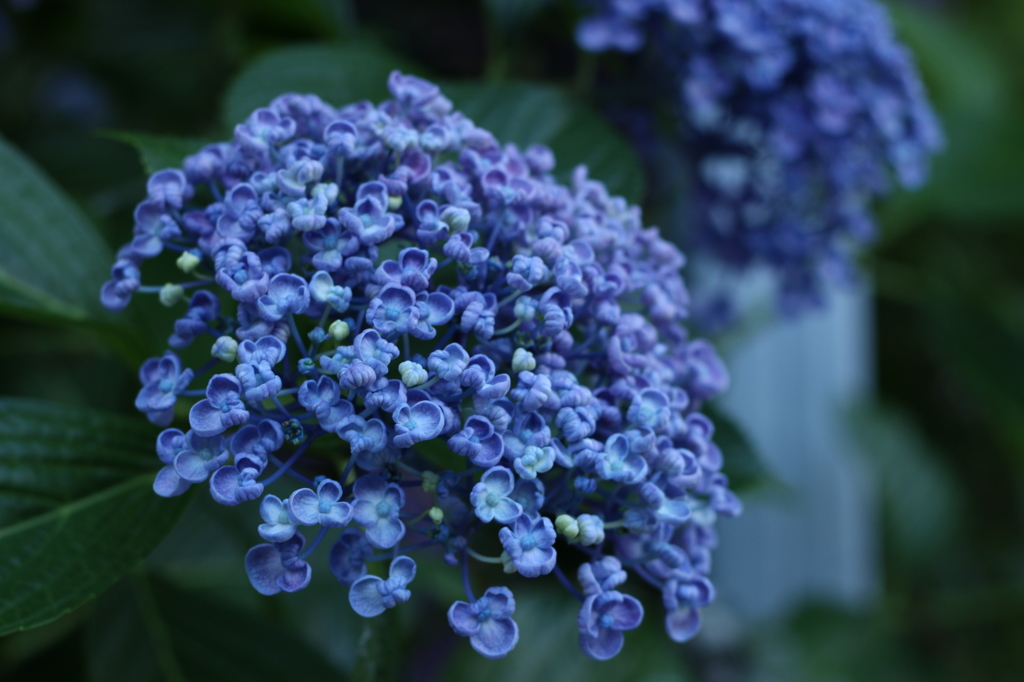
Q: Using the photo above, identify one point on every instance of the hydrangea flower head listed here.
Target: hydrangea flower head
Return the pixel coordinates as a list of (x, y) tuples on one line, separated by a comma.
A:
[(796, 115), (392, 284)]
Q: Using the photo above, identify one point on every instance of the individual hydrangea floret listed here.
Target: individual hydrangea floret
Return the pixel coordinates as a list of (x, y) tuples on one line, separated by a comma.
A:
[(371, 596), (397, 303), (487, 622)]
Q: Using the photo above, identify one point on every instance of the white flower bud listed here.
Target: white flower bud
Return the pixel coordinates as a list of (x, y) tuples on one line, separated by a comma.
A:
[(436, 514), (225, 348), (567, 526), (523, 360), (339, 330), (413, 373), (591, 529), (456, 218), (171, 294), (188, 261)]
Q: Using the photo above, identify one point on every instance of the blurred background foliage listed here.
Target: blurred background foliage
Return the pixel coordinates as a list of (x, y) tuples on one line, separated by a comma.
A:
[(79, 78)]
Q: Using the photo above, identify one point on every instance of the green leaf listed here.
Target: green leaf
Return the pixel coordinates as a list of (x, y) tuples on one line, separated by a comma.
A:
[(921, 499), (157, 152), (528, 113), (53, 261), (340, 75), (78, 507), (146, 629)]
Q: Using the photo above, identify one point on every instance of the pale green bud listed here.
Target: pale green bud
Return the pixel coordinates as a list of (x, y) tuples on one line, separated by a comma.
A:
[(523, 360), (567, 526), (413, 373), (225, 348), (430, 480), (394, 203), (171, 294), (506, 563), (339, 330), (328, 189), (188, 261), (456, 218), (436, 514)]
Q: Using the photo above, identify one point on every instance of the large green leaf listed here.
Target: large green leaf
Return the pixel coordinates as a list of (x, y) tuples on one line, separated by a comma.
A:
[(78, 509), (157, 152), (527, 113), (338, 74), (147, 630), (52, 260), (921, 499)]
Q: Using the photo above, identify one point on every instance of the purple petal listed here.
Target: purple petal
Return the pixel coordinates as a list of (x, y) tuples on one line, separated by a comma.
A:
[(462, 619), (303, 507), (168, 483), (682, 623), (365, 597), (495, 638), (205, 419), (605, 645)]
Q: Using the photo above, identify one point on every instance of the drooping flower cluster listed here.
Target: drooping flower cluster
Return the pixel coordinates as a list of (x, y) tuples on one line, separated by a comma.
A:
[(445, 348), (797, 114)]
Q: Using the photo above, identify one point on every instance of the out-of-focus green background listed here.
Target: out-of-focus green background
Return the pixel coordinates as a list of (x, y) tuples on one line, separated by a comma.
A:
[(946, 437)]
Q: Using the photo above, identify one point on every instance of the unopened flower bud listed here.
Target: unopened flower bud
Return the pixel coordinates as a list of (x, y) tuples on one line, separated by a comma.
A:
[(436, 514), (591, 529), (523, 360), (339, 330), (413, 373), (171, 294), (506, 563), (187, 262), (457, 218), (567, 526), (225, 348), (430, 480)]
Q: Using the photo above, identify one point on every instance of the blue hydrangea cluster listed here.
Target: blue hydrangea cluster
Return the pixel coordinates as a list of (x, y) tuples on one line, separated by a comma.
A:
[(798, 114), (441, 347)]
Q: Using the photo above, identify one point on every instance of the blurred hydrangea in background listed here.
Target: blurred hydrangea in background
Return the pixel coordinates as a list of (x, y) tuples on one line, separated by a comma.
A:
[(796, 116)]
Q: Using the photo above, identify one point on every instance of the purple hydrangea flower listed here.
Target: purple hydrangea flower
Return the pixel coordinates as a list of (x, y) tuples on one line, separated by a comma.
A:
[(495, 322), (796, 114), (529, 544), (286, 294), (376, 507), (490, 497), (167, 482), (349, 555), (487, 622), (276, 567), (371, 596), (255, 367), (323, 507), (163, 380), (203, 309), (277, 525), (222, 408), (200, 456), (603, 617)]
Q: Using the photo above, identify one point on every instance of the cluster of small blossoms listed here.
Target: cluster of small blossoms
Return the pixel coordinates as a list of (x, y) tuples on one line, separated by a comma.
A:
[(798, 113), (442, 347)]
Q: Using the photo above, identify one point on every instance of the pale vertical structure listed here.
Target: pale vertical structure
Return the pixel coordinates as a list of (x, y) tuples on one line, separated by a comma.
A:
[(817, 537)]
